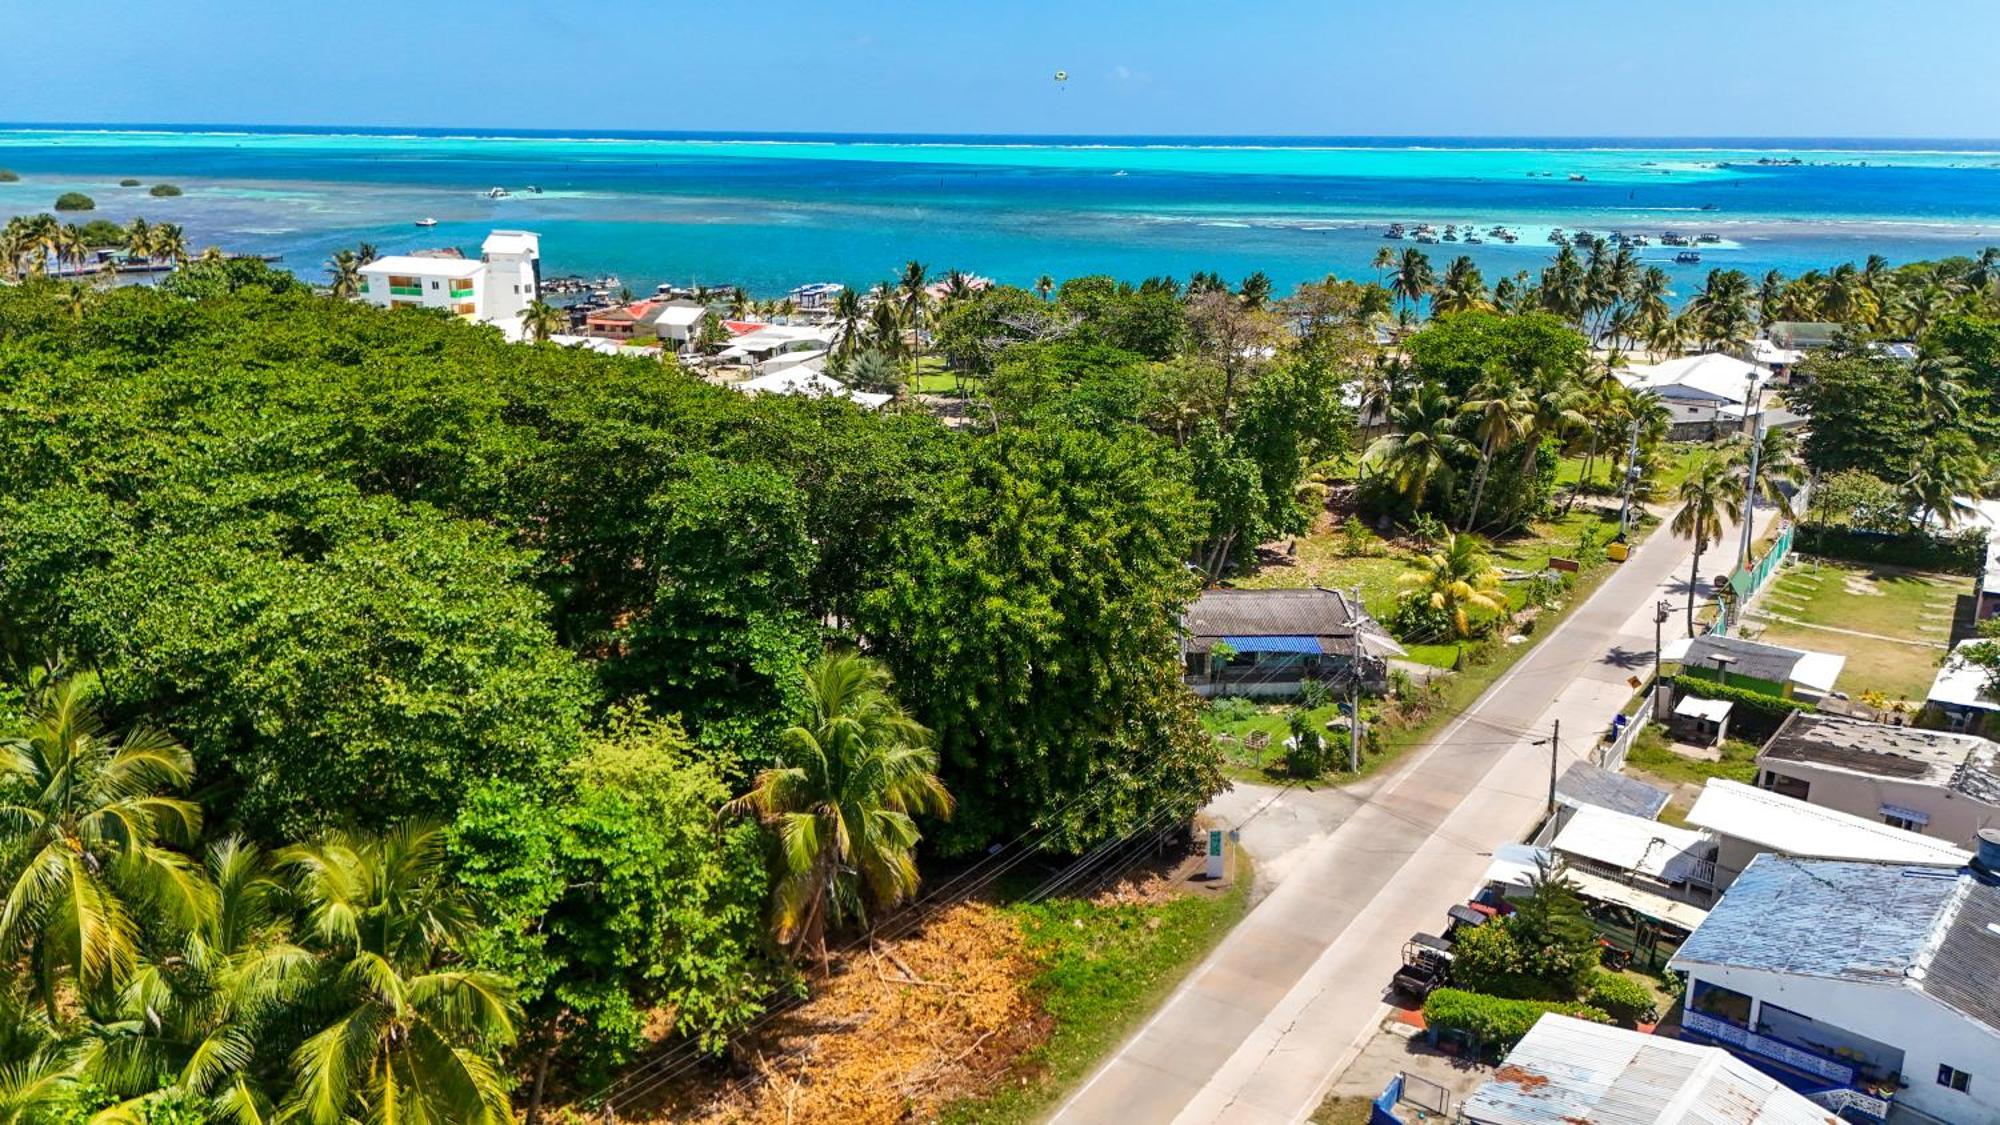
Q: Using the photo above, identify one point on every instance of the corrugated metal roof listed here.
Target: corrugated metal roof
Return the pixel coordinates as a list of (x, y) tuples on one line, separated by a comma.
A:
[(1924, 757), (1587, 784), (1964, 970), (1825, 918), (1775, 822), (1631, 843), (1567, 1070)]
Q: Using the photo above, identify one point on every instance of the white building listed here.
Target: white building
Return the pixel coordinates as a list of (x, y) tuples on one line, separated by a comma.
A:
[(1714, 380), (1944, 785), (1872, 977), (810, 381), (492, 290), (1962, 695), (1674, 862), (1748, 821), (1567, 1070)]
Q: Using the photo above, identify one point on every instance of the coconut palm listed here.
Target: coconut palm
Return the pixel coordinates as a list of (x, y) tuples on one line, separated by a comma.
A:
[(1413, 279), (1710, 494), (1721, 308), (856, 771), (410, 1033), (1939, 378), (169, 242), (1417, 452), (346, 271), (139, 240), (541, 320), (1455, 579), (83, 835), (1255, 290), (1500, 414), (1463, 289), (1564, 288), (848, 320), (913, 297), (1778, 465), (1385, 260), (1944, 472), (1849, 298)]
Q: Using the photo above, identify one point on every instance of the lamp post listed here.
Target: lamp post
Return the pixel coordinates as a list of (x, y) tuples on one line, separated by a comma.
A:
[(1756, 449)]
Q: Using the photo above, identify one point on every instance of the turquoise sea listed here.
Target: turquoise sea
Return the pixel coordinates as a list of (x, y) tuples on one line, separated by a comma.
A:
[(770, 212)]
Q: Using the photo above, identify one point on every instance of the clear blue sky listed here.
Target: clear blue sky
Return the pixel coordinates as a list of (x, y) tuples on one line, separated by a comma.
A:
[(1892, 68)]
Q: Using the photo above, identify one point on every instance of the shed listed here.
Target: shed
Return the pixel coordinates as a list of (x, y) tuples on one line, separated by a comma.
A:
[(1703, 722)]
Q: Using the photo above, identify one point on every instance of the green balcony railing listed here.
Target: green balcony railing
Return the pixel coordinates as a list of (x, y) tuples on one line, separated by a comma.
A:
[(407, 290)]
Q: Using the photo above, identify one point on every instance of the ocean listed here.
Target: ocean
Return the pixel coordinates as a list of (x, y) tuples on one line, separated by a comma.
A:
[(769, 212)]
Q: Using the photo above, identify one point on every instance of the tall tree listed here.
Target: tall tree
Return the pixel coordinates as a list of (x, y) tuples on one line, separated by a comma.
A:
[(1710, 495)]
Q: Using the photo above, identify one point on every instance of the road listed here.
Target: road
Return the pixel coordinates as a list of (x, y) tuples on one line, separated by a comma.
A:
[(1261, 1028)]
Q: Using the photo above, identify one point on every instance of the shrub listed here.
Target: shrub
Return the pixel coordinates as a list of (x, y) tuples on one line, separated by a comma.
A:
[(1489, 960), (75, 201), (1622, 998), (1306, 756), (1960, 553), (1356, 540), (1494, 1021), (1314, 694), (163, 191), (128, 182)]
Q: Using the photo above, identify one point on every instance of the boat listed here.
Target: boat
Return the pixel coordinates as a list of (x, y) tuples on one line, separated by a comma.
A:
[(1687, 257), (1577, 177), (1473, 239), (1708, 239), (1427, 239), (497, 193), (427, 221), (1395, 231), (533, 190), (1710, 207)]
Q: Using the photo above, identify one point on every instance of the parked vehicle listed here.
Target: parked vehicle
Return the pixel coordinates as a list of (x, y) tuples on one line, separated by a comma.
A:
[(1426, 966)]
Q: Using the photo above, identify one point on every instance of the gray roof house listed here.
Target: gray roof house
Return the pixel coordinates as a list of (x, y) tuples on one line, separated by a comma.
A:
[(1268, 642), (1930, 781), (1872, 985)]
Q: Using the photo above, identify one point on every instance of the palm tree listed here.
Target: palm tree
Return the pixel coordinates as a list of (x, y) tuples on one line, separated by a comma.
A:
[(1710, 493), (195, 1016), (411, 1032), (82, 837), (139, 240), (541, 320), (1045, 285), (1721, 308), (1385, 259), (1418, 450), (1414, 278), (1778, 465), (848, 318), (1463, 289), (168, 242), (857, 769), (1945, 470), (1500, 414), (914, 298), (1255, 290), (346, 270), (1455, 579), (1939, 378)]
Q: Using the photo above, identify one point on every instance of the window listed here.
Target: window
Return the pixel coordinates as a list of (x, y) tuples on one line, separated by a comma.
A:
[(434, 285), (1787, 786), (1953, 1079), (466, 309), (1903, 822), (1722, 1003)]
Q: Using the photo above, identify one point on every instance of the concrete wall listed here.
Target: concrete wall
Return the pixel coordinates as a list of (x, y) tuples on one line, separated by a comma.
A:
[(1955, 818), (1928, 1033)]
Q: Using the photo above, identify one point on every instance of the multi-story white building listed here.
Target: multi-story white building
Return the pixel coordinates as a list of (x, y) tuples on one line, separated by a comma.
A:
[(1873, 985), (494, 290)]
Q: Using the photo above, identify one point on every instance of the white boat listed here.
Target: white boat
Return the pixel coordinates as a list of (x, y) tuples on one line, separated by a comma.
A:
[(427, 221), (498, 193)]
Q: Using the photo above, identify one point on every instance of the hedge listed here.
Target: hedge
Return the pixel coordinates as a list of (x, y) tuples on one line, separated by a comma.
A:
[(1962, 553), (1624, 999), (1495, 1022), (1756, 716)]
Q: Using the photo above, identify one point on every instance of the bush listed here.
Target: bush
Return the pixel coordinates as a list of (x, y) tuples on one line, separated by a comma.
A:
[(1622, 998), (128, 182), (1960, 553), (1306, 756), (1488, 960), (1233, 709), (75, 201), (1493, 1021), (1756, 716), (163, 191)]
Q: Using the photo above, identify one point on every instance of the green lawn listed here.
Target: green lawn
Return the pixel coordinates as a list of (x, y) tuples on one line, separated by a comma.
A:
[(1239, 760), (1103, 969), (1908, 611), (1650, 753)]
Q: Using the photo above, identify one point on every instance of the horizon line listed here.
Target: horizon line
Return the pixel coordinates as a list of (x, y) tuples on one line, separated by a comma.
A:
[(196, 126)]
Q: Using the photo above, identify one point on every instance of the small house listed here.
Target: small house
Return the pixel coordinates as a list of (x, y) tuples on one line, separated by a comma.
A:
[(1789, 673), (1963, 696), (1269, 642), (1940, 784), (1748, 821)]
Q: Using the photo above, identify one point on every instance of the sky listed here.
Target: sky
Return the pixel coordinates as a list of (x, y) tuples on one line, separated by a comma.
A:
[(1684, 68)]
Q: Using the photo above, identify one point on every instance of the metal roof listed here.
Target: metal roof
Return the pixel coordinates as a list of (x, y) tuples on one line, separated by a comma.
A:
[(1964, 970), (1569, 1070), (1939, 759), (1328, 615), (1961, 683), (1843, 919), (425, 267), (1586, 784), (1776, 663), (1631, 843), (1777, 823)]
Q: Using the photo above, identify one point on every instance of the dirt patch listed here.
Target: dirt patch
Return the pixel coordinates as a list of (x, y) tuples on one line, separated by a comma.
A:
[(899, 1030), (1859, 586)]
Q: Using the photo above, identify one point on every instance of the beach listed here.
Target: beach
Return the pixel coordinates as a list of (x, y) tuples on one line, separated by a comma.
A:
[(770, 213)]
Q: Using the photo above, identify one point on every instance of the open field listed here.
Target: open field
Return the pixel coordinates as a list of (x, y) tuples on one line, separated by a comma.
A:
[(1891, 623)]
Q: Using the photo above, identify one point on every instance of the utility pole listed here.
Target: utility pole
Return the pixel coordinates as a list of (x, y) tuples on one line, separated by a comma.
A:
[(1354, 713), (1555, 742), (1631, 475), (1750, 490), (1662, 610)]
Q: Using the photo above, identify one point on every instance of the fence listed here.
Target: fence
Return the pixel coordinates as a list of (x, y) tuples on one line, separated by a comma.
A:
[(1612, 756), (1744, 582), (1422, 1093)]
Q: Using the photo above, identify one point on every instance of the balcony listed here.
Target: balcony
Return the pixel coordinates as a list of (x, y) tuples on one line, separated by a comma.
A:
[(1839, 1091), (407, 290), (457, 293)]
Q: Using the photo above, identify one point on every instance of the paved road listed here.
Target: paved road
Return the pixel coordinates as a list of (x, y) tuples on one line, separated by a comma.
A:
[(1260, 1028)]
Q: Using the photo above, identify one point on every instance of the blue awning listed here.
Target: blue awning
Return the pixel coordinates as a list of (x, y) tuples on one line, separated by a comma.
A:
[(1274, 644)]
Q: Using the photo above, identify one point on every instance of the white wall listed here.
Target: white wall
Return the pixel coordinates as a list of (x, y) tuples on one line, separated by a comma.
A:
[(1955, 817), (1928, 1033), (436, 290)]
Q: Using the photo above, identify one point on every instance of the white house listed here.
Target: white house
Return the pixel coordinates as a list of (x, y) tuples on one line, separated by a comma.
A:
[(1877, 978), (811, 382), (1943, 785), (1675, 862), (1748, 821), (1568, 1070), (1713, 379), (1962, 695), (676, 322), (494, 289)]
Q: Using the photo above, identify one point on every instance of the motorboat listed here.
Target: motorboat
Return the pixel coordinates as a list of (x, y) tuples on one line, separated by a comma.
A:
[(1395, 231), (497, 193), (1687, 258), (427, 221), (1577, 177)]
